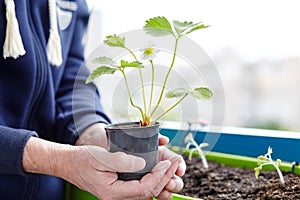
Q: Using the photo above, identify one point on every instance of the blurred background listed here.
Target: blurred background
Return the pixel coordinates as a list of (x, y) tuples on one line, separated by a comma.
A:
[(254, 44)]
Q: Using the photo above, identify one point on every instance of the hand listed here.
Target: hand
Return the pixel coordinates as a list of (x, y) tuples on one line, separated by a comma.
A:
[(93, 135), (94, 169), (175, 184)]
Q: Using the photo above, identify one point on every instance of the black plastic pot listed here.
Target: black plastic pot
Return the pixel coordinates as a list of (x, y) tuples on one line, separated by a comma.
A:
[(137, 140)]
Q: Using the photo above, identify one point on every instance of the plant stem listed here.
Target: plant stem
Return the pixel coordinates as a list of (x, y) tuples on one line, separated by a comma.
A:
[(167, 76), (143, 91), (131, 53), (142, 82), (169, 109), (152, 85), (201, 154), (203, 158), (277, 169), (279, 173), (130, 97)]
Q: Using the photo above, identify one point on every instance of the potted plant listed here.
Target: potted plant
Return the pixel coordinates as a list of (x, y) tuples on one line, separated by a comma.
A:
[(141, 137)]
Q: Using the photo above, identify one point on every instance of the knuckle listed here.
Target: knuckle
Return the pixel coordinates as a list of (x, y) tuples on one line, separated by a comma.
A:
[(156, 193)]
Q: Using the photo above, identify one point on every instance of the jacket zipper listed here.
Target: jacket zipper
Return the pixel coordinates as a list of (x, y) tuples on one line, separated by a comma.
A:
[(33, 106), (40, 75), (39, 88)]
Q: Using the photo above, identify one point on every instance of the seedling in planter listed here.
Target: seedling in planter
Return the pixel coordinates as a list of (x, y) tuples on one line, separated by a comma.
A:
[(267, 160), (157, 26), (190, 141)]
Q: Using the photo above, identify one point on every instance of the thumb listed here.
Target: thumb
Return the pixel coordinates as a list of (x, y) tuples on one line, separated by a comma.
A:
[(122, 162)]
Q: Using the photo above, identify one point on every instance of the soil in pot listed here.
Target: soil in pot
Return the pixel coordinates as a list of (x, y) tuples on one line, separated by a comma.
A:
[(225, 182), (134, 139)]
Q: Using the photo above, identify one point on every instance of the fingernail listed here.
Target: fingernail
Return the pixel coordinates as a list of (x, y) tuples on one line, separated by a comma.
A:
[(166, 195), (156, 193), (172, 186), (138, 164)]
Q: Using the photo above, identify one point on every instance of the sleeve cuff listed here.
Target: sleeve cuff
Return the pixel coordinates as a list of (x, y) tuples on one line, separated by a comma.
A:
[(12, 144)]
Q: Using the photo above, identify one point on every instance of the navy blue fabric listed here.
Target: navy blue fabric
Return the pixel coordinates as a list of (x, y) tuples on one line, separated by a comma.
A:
[(12, 144), (38, 99), (32, 187)]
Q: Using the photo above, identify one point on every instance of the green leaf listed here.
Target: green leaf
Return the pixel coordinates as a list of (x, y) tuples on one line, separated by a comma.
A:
[(179, 92), (201, 26), (270, 151), (257, 171), (100, 71), (203, 145), (158, 26), (202, 93), (261, 157), (181, 27), (135, 64), (115, 41), (278, 162), (103, 61)]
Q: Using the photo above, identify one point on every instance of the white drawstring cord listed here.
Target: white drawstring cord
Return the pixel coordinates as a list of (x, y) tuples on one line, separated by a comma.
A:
[(54, 50), (13, 45)]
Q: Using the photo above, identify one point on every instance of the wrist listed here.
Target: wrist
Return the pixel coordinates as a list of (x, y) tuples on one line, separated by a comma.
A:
[(44, 157)]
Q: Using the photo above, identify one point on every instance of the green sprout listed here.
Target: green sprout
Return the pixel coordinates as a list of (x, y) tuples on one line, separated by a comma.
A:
[(267, 160), (190, 141), (156, 26)]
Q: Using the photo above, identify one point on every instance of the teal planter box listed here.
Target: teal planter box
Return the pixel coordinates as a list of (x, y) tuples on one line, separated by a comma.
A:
[(240, 141)]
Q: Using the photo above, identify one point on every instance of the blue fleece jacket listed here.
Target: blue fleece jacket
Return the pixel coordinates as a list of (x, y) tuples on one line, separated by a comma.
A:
[(38, 99)]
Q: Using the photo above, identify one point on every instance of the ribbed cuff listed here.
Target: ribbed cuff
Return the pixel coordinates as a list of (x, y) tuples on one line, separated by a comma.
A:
[(12, 144)]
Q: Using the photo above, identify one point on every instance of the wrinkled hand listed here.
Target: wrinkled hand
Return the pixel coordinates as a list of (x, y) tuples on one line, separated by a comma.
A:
[(95, 135), (175, 184), (94, 169)]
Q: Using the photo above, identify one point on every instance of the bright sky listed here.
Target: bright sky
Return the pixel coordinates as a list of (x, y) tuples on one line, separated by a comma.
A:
[(257, 29)]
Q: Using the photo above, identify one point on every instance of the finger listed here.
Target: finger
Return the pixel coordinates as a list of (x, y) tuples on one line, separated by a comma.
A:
[(120, 162), (181, 167), (162, 140), (166, 154), (175, 184), (143, 188), (168, 176), (165, 195)]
